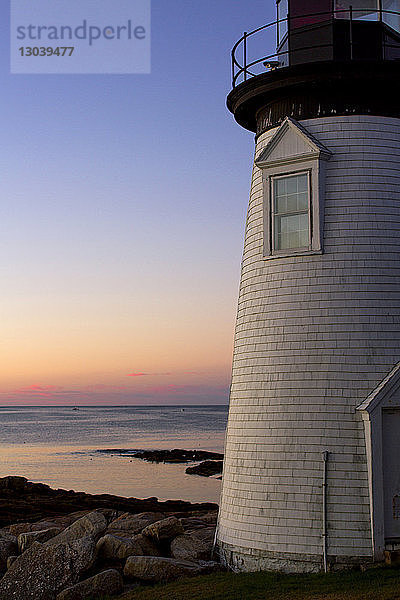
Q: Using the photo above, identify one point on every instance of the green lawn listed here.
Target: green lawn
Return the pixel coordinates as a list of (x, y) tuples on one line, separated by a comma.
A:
[(374, 584)]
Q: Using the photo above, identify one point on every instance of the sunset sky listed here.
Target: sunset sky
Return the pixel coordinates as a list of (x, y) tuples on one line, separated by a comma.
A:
[(122, 221)]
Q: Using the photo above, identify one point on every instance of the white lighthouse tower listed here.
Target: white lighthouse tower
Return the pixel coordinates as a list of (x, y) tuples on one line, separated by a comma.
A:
[(312, 464)]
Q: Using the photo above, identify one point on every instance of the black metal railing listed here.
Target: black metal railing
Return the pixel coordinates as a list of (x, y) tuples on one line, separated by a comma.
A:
[(244, 68)]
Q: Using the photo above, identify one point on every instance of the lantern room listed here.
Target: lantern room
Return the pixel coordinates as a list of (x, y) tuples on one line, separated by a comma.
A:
[(321, 30)]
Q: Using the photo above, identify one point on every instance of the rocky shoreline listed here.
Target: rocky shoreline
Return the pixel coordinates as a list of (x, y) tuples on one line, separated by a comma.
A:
[(21, 500), (211, 461), (177, 455), (66, 545)]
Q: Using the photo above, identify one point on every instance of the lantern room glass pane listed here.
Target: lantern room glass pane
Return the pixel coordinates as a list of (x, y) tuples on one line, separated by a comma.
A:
[(393, 20), (283, 10), (290, 206), (364, 10)]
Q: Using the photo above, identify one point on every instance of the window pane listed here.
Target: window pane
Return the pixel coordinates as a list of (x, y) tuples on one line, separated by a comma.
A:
[(391, 20), (280, 187), (291, 232), (281, 204), (292, 203), (291, 185), (282, 14), (366, 10), (296, 203), (304, 234), (302, 201), (302, 183)]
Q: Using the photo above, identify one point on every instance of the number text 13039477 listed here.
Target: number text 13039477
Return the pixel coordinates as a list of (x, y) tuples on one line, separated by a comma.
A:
[(46, 51)]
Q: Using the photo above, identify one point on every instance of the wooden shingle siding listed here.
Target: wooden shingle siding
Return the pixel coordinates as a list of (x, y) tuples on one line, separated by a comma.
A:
[(314, 335)]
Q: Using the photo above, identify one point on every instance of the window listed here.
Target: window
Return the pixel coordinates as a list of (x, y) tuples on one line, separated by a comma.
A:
[(293, 165), (393, 20), (282, 18), (370, 10), (291, 212), (366, 10)]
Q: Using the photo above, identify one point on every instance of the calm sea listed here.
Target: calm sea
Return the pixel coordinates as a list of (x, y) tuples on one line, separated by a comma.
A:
[(58, 446)]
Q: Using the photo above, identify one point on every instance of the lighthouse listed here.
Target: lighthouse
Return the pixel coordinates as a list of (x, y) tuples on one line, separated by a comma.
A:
[(312, 461)]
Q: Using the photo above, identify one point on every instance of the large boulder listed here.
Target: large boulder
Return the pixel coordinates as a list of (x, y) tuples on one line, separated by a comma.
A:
[(144, 546), (8, 547), (66, 520), (117, 548), (210, 518), (128, 525), (44, 570), (192, 523), (158, 569), (206, 535), (165, 530), (188, 547), (25, 540), (93, 524), (19, 528), (106, 583), (61, 522)]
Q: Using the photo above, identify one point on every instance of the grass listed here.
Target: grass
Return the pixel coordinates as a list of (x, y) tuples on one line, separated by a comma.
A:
[(374, 584)]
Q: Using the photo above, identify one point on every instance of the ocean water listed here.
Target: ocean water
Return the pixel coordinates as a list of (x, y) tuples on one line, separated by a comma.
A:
[(59, 446)]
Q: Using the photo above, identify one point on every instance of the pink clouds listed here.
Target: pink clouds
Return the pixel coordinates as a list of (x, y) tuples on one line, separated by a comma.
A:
[(148, 374), (137, 374), (193, 373), (39, 390), (146, 392)]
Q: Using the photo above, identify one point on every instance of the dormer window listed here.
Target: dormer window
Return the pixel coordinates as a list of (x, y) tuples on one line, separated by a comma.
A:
[(293, 167)]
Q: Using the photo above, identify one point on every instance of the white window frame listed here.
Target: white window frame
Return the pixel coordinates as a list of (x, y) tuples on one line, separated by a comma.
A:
[(316, 170), (273, 178)]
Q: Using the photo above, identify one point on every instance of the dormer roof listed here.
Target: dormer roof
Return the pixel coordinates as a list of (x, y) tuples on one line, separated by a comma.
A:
[(291, 143)]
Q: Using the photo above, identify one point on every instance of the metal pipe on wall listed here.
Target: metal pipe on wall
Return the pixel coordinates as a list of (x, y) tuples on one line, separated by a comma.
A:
[(325, 457)]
